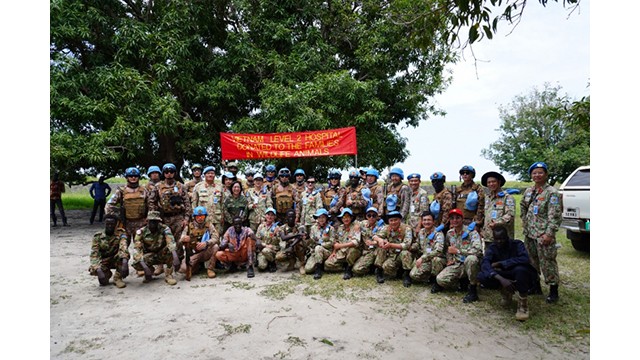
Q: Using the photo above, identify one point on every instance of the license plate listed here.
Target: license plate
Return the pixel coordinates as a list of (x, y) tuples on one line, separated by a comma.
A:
[(571, 214)]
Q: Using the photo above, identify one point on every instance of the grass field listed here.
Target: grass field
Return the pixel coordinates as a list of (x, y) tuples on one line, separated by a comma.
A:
[(568, 321)]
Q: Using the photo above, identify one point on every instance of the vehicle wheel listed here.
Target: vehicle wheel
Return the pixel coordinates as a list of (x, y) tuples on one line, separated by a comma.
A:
[(580, 241)]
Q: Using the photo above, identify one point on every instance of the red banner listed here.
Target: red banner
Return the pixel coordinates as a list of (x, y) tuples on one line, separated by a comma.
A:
[(289, 145)]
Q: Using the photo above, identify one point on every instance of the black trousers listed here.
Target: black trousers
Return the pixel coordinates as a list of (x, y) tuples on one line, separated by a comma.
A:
[(52, 211), (98, 204), (524, 276)]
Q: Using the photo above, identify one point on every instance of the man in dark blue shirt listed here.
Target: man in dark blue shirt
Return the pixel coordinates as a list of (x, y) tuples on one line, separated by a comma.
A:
[(99, 191), (506, 265)]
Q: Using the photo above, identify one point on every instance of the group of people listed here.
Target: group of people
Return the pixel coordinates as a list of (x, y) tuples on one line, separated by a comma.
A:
[(461, 238)]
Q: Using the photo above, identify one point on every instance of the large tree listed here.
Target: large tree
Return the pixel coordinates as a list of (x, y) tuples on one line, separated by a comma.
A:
[(543, 125), (147, 82)]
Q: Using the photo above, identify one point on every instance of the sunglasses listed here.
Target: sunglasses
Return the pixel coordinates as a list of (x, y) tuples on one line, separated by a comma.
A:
[(311, 182), (370, 216), (169, 171), (465, 172)]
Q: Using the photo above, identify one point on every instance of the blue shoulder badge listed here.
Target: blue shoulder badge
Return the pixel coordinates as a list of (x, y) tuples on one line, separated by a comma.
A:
[(553, 199), (139, 231), (510, 201)]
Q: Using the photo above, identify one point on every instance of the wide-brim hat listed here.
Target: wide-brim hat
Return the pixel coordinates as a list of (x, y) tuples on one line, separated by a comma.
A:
[(394, 214), (492, 174)]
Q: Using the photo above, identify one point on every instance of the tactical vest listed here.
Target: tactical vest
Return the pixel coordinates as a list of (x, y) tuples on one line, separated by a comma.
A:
[(133, 201), (171, 200), (355, 194), (284, 198), (196, 233), (461, 199), (327, 196)]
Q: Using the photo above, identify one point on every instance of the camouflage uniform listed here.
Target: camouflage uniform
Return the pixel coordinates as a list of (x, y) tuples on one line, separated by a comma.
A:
[(347, 255), (191, 184), (258, 201), (322, 244), (174, 205), (107, 252), (358, 204), (391, 259), (433, 256), (283, 199), (268, 235), (209, 196), (403, 191), (541, 212), (466, 263), (445, 198), (235, 206), (134, 202), (500, 209), (419, 204), (461, 197), (299, 250), (196, 231), (332, 195), (308, 204), (377, 196), (153, 249), (368, 254)]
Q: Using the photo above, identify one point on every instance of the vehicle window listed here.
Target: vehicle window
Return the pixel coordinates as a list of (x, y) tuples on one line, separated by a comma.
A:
[(581, 178)]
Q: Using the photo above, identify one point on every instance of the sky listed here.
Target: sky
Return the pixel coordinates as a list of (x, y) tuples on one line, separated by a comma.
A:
[(548, 45)]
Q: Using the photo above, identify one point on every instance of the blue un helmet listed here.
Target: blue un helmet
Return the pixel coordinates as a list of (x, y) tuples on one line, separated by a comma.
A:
[(335, 174), (299, 172), (132, 172), (398, 172), (353, 174), (468, 168), (373, 172), (153, 169), (392, 202), (200, 210), (437, 176), (270, 168), (538, 164), (284, 172), (168, 166)]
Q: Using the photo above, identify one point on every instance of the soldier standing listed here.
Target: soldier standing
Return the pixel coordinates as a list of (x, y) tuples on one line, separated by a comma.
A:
[(235, 205), (283, 194), (353, 197), (109, 250), (332, 193), (154, 244), (129, 203), (300, 176), (154, 174), (209, 194), (196, 171), (464, 254), (56, 188), (270, 176), (419, 201), (541, 212), (200, 239), (442, 200), (393, 252), (309, 202), (470, 197), (402, 191), (99, 191), (376, 190), (258, 200), (499, 207), (346, 248)]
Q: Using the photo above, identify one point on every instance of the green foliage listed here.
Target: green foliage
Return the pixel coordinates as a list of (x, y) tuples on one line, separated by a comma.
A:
[(140, 83), (543, 126)]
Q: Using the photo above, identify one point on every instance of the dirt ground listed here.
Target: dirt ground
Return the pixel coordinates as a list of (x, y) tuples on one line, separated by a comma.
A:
[(279, 315)]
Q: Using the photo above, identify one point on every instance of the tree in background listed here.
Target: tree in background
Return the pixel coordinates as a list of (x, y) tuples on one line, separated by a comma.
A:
[(543, 126)]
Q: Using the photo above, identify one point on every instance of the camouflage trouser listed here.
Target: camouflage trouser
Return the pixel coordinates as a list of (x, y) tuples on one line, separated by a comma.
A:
[(428, 268), (133, 226), (174, 222), (113, 262), (299, 253), (450, 276), (265, 256), (163, 256), (391, 260), (203, 256), (318, 256), (343, 256), (543, 259), (361, 267)]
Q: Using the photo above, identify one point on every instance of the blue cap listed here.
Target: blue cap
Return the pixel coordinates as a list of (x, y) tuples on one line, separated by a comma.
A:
[(272, 210), (437, 176), (229, 175), (168, 166), (392, 201), (153, 169), (207, 169), (413, 175), (345, 211), (321, 212), (372, 209), (398, 172), (536, 165), (468, 168), (373, 172)]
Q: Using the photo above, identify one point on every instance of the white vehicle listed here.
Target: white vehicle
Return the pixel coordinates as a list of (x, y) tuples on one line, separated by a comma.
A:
[(575, 207)]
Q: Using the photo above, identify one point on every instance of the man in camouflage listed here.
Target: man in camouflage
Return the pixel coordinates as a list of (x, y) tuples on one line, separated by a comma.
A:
[(541, 212), (269, 234), (259, 200), (309, 202), (299, 185), (321, 239), (352, 196), (402, 191), (499, 207), (209, 194), (200, 238), (431, 242), (419, 201), (368, 228), (295, 247), (332, 193), (283, 194), (376, 190), (464, 255), (154, 244), (346, 248), (270, 177), (442, 199), (196, 171), (393, 251), (154, 174), (109, 251), (129, 203), (470, 197)]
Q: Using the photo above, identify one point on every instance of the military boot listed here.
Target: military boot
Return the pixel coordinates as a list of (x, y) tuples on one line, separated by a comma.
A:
[(379, 275), (302, 270), (506, 297), (463, 284), (318, 272), (168, 276), (472, 295), (406, 279), (553, 294), (103, 277), (436, 288), (250, 272), (211, 274), (159, 269), (273, 267), (522, 313), (117, 280), (291, 265), (348, 274)]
